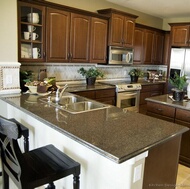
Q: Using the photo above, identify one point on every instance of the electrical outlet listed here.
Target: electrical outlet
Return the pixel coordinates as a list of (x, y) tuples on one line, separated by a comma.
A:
[(137, 173), (9, 79), (125, 72)]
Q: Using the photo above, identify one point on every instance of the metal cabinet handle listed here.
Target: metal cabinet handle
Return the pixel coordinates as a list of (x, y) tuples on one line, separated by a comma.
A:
[(159, 109)]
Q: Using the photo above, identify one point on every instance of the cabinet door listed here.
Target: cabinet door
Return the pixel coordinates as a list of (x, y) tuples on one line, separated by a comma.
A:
[(80, 37), (128, 32), (138, 46), (180, 36), (116, 30), (31, 32), (148, 46), (58, 24), (98, 45), (158, 45), (166, 53)]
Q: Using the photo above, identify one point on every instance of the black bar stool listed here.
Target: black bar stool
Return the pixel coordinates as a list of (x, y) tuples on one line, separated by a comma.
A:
[(33, 168)]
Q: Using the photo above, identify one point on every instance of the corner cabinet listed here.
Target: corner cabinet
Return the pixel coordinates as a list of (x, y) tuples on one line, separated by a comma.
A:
[(180, 34), (121, 27), (148, 45), (31, 32)]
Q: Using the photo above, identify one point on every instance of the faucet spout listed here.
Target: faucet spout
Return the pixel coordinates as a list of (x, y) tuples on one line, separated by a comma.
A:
[(63, 90), (60, 94)]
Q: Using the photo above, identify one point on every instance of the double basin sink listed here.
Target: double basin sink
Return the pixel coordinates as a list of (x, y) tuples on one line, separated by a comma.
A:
[(74, 104)]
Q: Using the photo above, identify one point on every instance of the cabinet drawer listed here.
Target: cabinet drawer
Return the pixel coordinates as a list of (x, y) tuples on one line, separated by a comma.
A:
[(183, 115), (154, 87), (87, 94), (105, 93), (161, 109)]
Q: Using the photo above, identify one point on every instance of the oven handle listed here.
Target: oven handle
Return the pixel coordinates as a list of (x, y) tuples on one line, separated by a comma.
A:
[(128, 94)]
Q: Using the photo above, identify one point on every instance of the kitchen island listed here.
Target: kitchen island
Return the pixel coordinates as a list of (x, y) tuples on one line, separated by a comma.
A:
[(165, 108), (110, 144)]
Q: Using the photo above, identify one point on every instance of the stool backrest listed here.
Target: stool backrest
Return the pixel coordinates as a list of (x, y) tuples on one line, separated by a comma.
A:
[(11, 154)]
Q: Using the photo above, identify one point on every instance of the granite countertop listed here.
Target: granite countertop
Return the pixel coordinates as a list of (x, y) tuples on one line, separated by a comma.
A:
[(168, 100), (114, 134)]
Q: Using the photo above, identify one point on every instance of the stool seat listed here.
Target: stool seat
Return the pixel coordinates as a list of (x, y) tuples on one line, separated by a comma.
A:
[(47, 164), (33, 168)]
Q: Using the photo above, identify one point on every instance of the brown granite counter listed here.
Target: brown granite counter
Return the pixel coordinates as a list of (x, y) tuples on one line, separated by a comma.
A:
[(110, 132), (167, 100)]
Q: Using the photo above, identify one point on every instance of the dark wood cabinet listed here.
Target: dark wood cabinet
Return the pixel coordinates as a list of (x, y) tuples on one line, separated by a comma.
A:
[(179, 116), (149, 91), (58, 35), (166, 53), (183, 118), (121, 27), (68, 36), (80, 38), (148, 45), (158, 47), (180, 34), (107, 96), (161, 111), (138, 46), (98, 43), (31, 49)]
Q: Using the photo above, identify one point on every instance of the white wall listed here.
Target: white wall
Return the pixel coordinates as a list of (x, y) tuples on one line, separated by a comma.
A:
[(8, 31)]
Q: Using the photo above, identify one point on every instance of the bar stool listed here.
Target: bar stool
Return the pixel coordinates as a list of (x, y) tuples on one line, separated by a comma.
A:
[(33, 168)]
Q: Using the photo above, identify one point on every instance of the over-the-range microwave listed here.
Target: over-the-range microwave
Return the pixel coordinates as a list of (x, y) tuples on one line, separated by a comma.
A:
[(120, 55)]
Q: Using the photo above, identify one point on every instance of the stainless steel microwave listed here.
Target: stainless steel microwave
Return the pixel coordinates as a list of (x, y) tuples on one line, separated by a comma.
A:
[(120, 55)]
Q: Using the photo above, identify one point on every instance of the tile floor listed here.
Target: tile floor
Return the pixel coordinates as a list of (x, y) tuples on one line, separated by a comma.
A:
[(183, 177)]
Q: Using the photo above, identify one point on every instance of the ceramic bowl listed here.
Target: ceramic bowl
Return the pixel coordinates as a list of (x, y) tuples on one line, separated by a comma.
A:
[(32, 89)]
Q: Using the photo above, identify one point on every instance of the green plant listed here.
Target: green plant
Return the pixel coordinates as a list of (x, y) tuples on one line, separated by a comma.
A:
[(91, 72), (178, 82), (26, 76), (136, 72)]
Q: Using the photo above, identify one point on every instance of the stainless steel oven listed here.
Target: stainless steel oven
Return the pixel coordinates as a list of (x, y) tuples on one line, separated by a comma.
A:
[(128, 97)]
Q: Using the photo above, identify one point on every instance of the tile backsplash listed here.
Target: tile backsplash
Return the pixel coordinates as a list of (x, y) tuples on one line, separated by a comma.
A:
[(69, 72)]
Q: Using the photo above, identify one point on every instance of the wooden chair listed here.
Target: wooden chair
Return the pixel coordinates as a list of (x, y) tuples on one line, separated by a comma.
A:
[(33, 168)]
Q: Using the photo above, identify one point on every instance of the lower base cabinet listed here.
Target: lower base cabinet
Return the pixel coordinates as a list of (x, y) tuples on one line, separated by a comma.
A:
[(161, 165), (176, 115), (106, 96)]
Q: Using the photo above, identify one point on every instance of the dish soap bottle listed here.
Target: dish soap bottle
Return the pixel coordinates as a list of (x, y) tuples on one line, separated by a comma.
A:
[(188, 90)]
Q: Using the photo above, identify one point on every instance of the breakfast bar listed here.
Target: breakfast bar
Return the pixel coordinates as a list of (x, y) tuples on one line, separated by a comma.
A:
[(112, 146)]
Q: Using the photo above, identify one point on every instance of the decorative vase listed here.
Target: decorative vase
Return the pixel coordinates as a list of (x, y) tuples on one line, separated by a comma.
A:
[(178, 95), (90, 80), (134, 79)]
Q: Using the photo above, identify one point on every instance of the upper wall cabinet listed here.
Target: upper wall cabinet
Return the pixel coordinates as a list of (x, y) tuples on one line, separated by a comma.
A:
[(98, 43), (180, 34), (58, 35), (31, 32), (71, 35), (148, 45), (68, 36), (121, 27)]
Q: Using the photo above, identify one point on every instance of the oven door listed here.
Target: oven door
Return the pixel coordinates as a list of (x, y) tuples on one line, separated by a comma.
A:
[(128, 100)]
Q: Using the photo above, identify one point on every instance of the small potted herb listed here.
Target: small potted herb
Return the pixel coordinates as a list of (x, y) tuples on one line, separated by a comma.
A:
[(179, 83), (135, 74), (90, 74)]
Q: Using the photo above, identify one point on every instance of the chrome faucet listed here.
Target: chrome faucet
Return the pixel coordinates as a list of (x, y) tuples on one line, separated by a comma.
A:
[(60, 94)]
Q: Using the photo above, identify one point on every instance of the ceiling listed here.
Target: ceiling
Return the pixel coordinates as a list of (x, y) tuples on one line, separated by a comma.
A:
[(158, 8)]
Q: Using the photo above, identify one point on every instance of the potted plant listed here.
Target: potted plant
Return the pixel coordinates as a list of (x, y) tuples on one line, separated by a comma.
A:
[(90, 74), (179, 83), (135, 74)]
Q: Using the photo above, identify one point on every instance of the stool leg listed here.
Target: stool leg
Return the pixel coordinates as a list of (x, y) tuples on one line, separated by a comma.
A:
[(76, 182), (51, 186), (5, 180)]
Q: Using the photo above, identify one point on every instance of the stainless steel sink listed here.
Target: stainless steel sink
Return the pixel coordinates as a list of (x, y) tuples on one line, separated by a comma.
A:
[(84, 106), (68, 100), (74, 104)]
